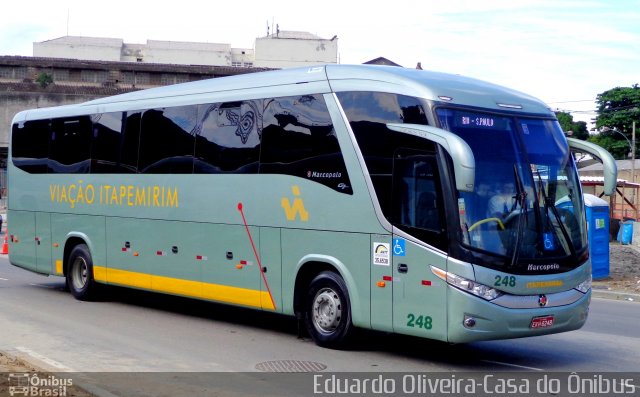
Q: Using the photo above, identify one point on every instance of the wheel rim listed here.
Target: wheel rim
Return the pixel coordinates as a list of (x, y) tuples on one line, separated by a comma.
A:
[(79, 273), (327, 310)]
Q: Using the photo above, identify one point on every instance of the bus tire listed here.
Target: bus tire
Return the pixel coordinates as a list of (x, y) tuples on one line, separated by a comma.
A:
[(80, 274), (328, 311)]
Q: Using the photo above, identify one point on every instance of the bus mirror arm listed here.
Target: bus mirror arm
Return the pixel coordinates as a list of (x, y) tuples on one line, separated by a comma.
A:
[(610, 169), (464, 163)]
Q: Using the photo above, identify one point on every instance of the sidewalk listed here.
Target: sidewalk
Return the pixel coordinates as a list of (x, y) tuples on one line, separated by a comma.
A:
[(623, 282), (616, 295)]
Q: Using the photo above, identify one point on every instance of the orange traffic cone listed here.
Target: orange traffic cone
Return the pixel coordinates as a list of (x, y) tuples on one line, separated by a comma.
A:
[(5, 244)]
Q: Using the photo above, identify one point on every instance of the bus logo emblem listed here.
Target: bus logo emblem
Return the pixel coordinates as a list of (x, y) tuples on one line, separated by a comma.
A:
[(292, 211), (543, 300)]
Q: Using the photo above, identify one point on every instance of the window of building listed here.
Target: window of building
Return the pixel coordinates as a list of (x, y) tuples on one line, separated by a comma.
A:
[(127, 77), (94, 76), (141, 78), (60, 75), (155, 78), (75, 75), (13, 72)]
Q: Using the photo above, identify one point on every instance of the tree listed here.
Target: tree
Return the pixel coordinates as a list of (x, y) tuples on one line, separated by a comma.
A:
[(618, 108), (44, 79), (578, 128), (617, 146)]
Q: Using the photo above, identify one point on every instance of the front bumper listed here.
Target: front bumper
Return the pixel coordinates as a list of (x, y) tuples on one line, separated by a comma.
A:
[(492, 321)]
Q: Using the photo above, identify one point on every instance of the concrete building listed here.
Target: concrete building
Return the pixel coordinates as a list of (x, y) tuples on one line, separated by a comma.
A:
[(291, 49), (280, 50), (75, 81)]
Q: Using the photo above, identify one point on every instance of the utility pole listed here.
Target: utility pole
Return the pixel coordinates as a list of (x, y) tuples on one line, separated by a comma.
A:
[(633, 164), (633, 151)]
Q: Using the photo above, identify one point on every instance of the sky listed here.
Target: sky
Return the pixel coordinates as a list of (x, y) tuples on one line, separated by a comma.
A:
[(563, 52)]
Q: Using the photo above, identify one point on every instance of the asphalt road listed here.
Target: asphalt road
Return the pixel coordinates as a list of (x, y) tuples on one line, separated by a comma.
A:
[(134, 331)]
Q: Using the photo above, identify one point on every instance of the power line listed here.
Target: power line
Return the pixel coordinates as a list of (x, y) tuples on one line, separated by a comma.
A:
[(578, 100), (627, 107)]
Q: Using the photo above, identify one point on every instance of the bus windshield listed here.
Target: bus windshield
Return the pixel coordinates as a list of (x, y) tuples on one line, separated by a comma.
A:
[(526, 205)]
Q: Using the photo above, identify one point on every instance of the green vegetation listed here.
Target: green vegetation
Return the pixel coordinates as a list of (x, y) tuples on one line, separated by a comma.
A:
[(618, 108), (44, 79), (578, 128)]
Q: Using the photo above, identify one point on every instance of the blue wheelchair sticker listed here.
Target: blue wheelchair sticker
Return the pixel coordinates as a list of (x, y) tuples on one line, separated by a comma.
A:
[(549, 244), (399, 247)]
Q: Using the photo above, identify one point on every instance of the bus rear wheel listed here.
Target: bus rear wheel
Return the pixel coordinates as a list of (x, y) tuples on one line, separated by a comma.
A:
[(80, 274), (328, 311)]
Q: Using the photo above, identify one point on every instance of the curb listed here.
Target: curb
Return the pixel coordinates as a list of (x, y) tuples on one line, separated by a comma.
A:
[(615, 295)]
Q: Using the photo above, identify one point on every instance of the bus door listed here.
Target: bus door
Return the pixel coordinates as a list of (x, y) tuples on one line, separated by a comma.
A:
[(43, 243), (22, 250), (419, 298), (382, 283)]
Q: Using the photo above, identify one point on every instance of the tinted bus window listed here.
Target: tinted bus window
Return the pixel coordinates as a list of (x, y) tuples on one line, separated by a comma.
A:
[(30, 146), (108, 144), (70, 145), (228, 137), (299, 139), (131, 141), (368, 113), (167, 141)]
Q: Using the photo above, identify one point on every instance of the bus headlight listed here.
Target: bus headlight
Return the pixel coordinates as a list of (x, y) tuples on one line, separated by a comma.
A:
[(470, 286), (585, 286)]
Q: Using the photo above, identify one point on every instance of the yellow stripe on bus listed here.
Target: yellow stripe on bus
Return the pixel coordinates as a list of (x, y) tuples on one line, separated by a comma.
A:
[(194, 289)]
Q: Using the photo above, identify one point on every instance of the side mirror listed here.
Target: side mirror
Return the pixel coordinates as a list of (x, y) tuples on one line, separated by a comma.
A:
[(610, 168), (464, 164)]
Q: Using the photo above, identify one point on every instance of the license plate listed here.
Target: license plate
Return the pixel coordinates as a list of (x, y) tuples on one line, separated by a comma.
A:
[(541, 322)]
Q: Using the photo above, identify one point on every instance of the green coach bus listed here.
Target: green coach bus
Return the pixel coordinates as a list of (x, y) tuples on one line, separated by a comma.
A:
[(375, 197)]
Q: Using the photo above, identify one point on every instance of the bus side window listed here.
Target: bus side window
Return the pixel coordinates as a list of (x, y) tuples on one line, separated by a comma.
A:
[(130, 141), (70, 145), (109, 144), (228, 137), (166, 141), (416, 196), (368, 113), (299, 140), (30, 146)]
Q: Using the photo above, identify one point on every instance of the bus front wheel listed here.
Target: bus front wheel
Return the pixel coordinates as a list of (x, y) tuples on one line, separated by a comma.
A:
[(80, 273), (328, 311)]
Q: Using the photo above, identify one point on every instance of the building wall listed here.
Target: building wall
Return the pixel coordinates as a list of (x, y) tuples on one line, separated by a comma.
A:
[(276, 52), (180, 53), (154, 51), (282, 50), (86, 48), (242, 57)]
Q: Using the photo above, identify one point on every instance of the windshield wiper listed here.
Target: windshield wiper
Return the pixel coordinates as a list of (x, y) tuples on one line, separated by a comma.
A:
[(549, 205), (521, 199)]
